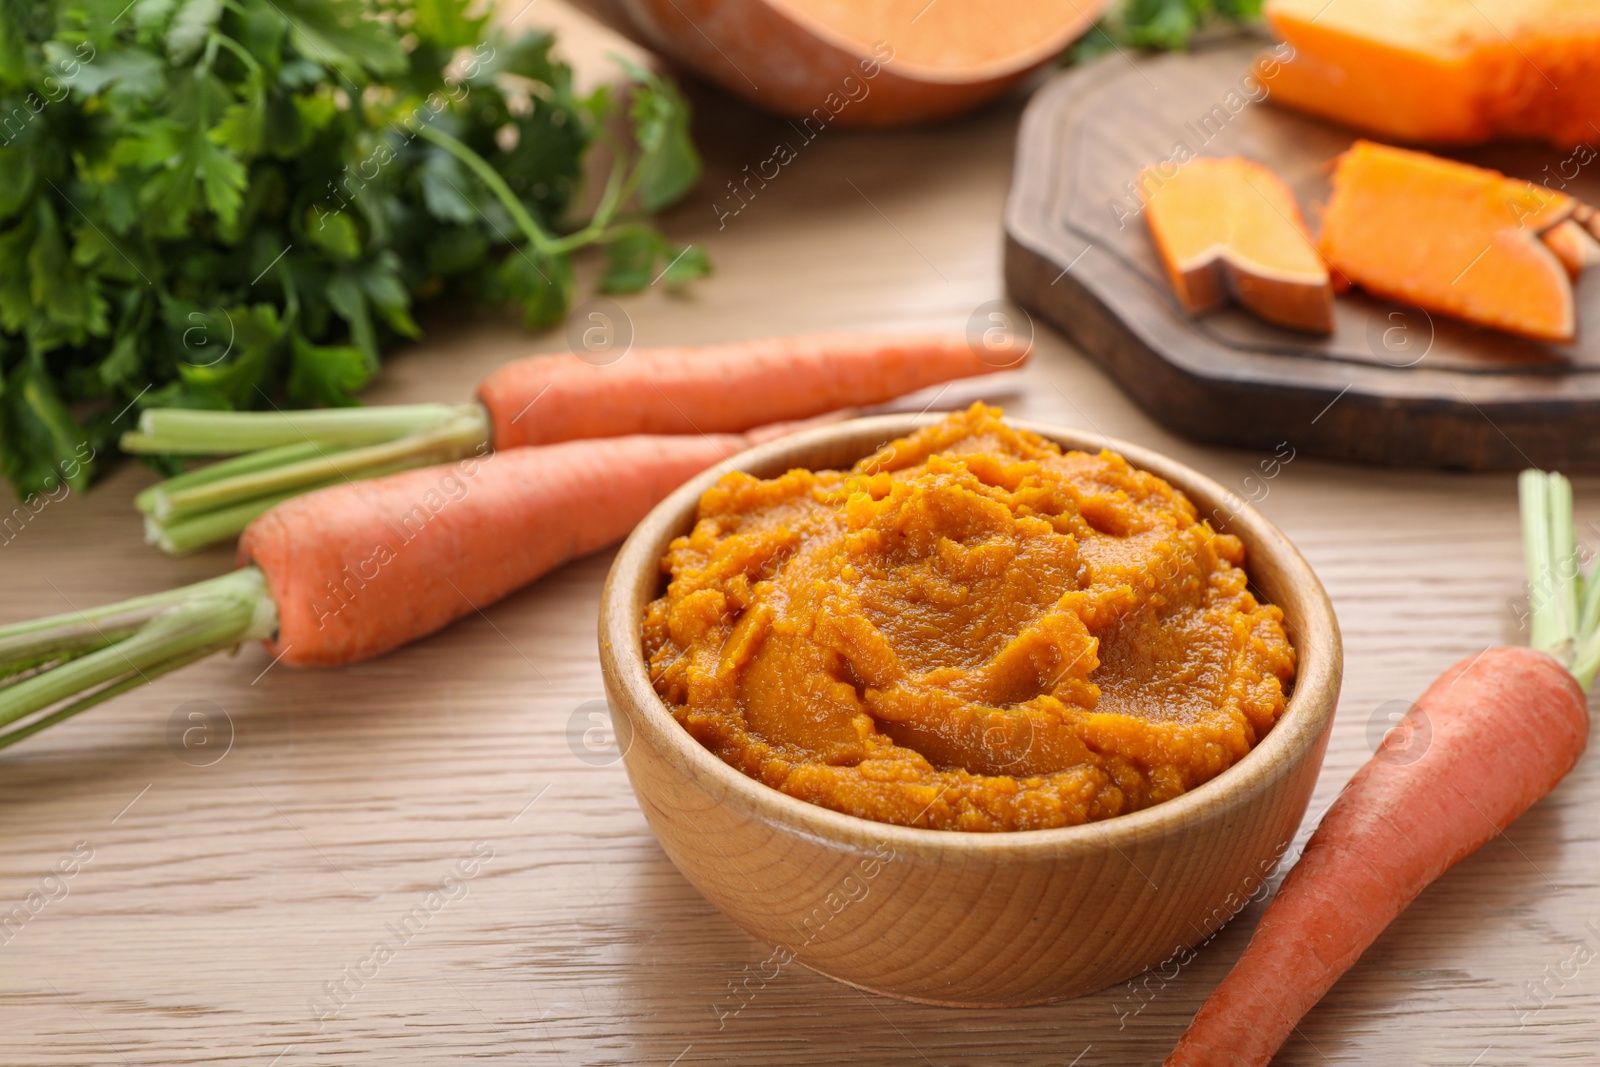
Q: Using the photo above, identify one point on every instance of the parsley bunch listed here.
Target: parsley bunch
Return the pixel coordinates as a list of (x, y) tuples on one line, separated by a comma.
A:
[(234, 203), (1163, 25)]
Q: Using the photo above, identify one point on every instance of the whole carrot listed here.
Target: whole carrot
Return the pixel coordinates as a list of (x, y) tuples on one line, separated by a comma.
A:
[(358, 569), (355, 570), (726, 388), (1504, 727), (721, 388)]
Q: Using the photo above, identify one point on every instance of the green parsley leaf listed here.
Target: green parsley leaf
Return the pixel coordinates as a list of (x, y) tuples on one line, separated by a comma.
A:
[(44, 446), (687, 264), (660, 117), (328, 374), (542, 285), (631, 260), (231, 203), (190, 27), (1166, 25)]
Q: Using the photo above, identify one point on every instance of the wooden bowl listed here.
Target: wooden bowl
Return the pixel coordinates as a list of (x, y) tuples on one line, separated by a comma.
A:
[(959, 918)]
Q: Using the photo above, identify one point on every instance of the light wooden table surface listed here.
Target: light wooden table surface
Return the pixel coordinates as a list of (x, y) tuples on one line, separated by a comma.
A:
[(220, 901)]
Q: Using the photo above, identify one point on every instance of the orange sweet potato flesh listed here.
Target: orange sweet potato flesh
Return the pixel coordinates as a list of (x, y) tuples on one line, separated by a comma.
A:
[(1444, 71), (855, 62), (1230, 229), (1451, 238)]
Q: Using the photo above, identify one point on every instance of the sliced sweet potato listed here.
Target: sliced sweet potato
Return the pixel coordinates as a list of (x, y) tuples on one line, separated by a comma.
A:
[(1451, 238), (1444, 71), (1230, 228), (1573, 245)]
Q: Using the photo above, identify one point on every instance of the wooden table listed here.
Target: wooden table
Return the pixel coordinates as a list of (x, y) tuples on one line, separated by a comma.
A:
[(222, 902)]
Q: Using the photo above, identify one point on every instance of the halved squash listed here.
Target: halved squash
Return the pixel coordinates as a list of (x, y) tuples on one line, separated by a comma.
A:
[(856, 62), (1451, 238), (1444, 71), (1230, 229)]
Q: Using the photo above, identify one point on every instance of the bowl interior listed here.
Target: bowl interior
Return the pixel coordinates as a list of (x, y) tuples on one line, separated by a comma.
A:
[(1278, 574)]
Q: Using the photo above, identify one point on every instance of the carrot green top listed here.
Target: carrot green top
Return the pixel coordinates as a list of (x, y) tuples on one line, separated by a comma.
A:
[(86, 657), (1564, 603)]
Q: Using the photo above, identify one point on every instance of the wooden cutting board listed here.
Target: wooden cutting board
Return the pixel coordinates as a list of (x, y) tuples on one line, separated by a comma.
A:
[(1392, 385)]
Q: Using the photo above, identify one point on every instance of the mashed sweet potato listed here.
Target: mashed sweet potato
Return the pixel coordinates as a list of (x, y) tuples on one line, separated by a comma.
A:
[(969, 630)]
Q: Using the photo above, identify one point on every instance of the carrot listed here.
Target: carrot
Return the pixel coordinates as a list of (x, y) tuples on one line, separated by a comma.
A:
[(355, 570), (362, 568), (721, 388), (726, 388), (1504, 727), (1507, 725)]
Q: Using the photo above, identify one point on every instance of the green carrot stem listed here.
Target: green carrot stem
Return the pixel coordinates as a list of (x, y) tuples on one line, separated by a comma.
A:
[(195, 621), (1545, 629), (1587, 662), (249, 463), (28, 651), (182, 431), (1564, 553), (1589, 605), (301, 451), (11, 737), (452, 441), (184, 535), (25, 640), (1564, 605), (1586, 654), (188, 535)]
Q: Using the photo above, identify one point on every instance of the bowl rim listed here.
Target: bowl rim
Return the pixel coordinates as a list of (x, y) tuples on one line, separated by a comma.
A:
[(1296, 735)]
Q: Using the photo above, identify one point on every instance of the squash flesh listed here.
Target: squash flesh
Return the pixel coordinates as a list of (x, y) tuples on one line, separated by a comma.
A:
[(1445, 71), (1230, 229), (961, 39), (1450, 238)]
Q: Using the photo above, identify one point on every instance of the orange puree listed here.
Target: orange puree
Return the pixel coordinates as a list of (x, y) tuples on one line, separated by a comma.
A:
[(969, 630)]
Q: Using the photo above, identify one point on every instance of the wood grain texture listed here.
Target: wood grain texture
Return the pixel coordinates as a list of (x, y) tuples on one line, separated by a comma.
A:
[(1414, 389), (226, 896)]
